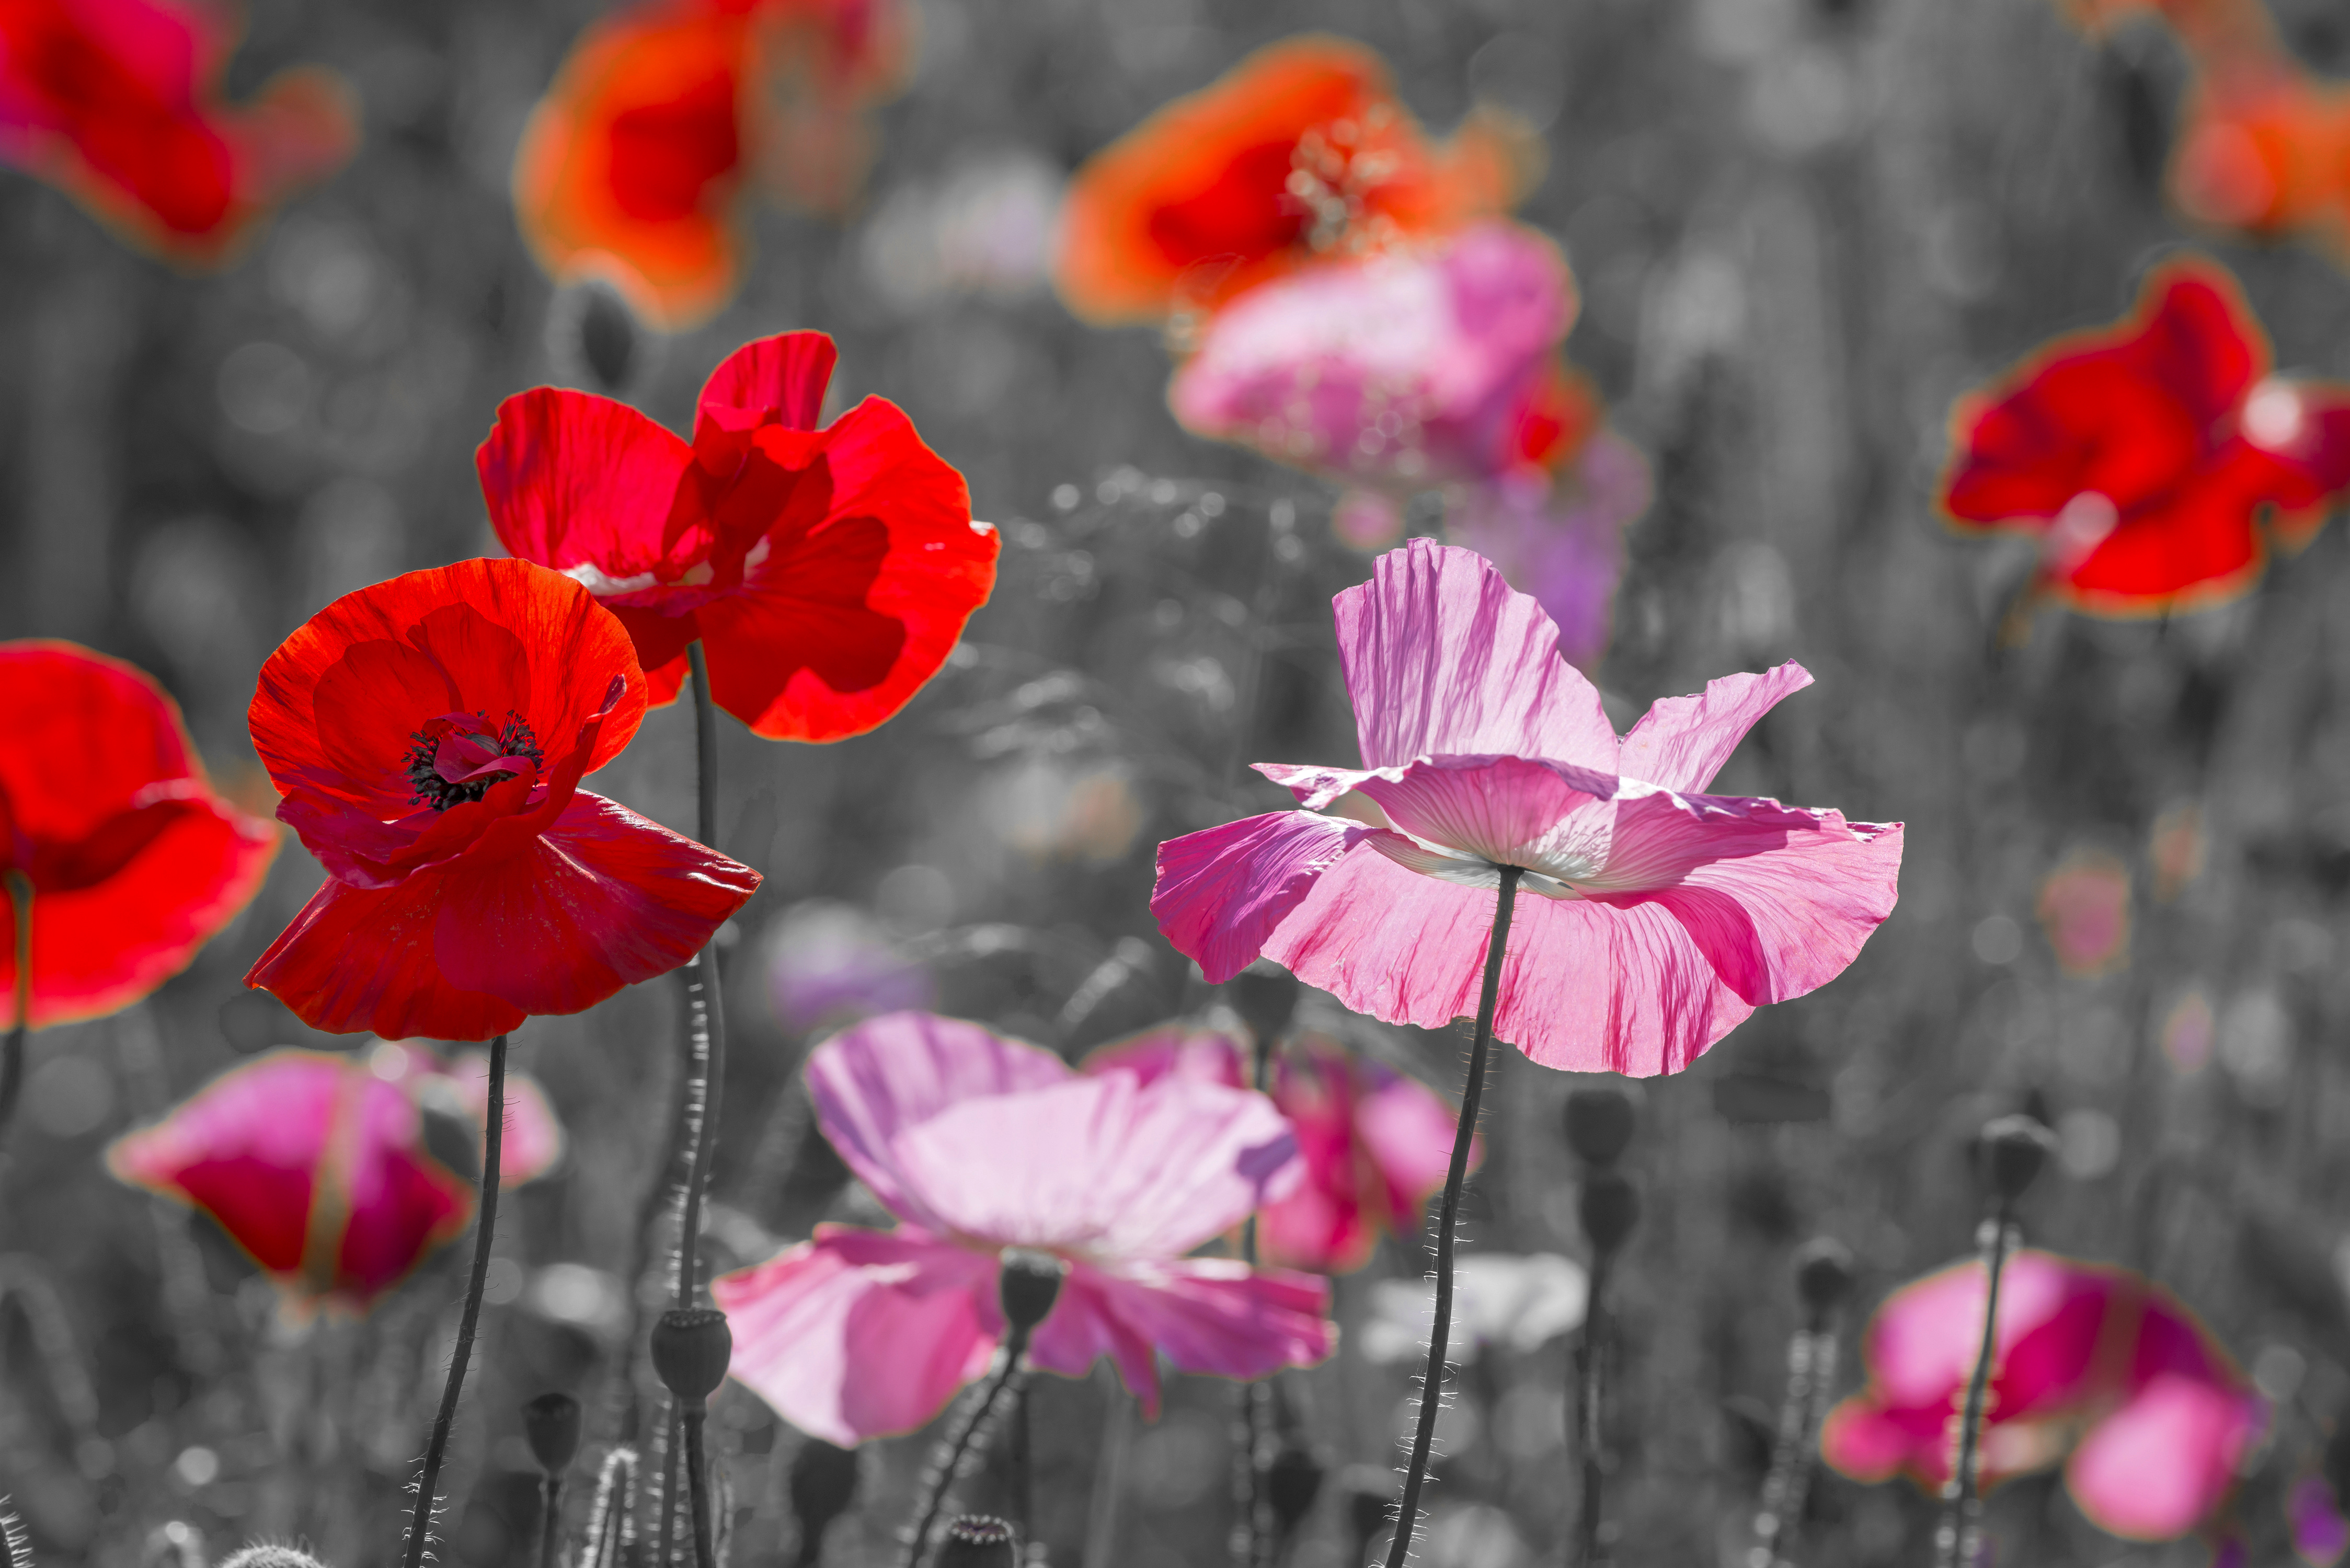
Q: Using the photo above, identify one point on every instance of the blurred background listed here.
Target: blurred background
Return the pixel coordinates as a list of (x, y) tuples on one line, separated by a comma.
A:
[(1801, 227)]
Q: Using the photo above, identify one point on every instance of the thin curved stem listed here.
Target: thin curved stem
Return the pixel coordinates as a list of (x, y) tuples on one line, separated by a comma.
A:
[(941, 1484), (550, 1522), (1431, 1387), (1956, 1541), (1250, 1539), (671, 1441), (485, 1226), (698, 1485), (703, 994), (1590, 1398), (11, 1053)]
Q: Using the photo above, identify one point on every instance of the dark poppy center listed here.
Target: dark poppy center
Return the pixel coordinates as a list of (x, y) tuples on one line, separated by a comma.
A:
[(458, 756)]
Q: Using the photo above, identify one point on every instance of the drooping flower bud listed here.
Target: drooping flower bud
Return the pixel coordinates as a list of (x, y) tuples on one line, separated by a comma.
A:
[(2013, 1150), (823, 1484), (691, 1347), (551, 1424), (1823, 1275), (1031, 1283), (1609, 1207), (1292, 1482), (1265, 996), (1599, 1124), (977, 1541)]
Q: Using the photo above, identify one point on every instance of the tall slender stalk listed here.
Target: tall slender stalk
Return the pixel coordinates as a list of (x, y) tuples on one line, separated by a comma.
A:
[(1959, 1534), (1591, 1428), (11, 1053), (1250, 1538), (942, 1483), (1431, 1387), (485, 1224), (702, 988), (696, 1484), (1109, 1480)]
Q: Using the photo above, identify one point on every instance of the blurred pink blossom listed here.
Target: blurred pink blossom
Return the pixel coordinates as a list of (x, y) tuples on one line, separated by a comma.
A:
[(1376, 1143), (2089, 1361), (978, 1143), (534, 1141), (831, 964), (1559, 536), (2320, 1534), (1658, 916), (2084, 907)]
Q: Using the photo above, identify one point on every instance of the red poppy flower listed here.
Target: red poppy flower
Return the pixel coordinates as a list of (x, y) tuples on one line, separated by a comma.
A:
[(2143, 455), (132, 861), (634, 164), (315, 1166), (1300, 150), (117, 103), (428, 734), (827, 571)]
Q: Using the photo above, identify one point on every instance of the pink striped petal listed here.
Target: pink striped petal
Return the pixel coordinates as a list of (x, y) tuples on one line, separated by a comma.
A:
[(1101, 1165), (1212, 1315), (1172, 1050), (1222, 891), (1681, 742), (858, 1333), (1444, 658), (1550, 818), (872, 1081), (2161, 1465)]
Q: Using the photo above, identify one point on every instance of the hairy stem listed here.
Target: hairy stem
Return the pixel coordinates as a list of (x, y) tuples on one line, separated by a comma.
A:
[(11, 1053), (1955, 1542), (941, 1484), (701, 990), (1431, 1387), (698, 1484), (666, 1499), (1252, 1539), (486, 1224)]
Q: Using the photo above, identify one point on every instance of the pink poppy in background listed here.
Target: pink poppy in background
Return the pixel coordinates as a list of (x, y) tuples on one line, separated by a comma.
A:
[(827, 569), (1558, 536), (1656, 916), (832, 963), (315, 1166), (534, 1140), (2321, 1536), (1376, 1144), (2084, 907), (117, 103), (979, 1144), (1406, 369), (2089, 1362), (131, 860)]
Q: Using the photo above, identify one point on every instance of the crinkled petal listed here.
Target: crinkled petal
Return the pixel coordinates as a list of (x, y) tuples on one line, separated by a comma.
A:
[(583, 484), (859, 1334), (1211, 1315), (1681, 742), (360, 959), (1547, 817), (1223, 891), (2161, 1465), (1102, 1165), (1444, 658), (875, 1080), (782, 377)]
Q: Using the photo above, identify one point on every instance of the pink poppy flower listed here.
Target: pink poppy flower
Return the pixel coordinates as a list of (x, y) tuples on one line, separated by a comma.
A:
[(1659, 916), (978, 1143), (1376, 1143), (1407, 369), (2089, 1359), (2084, 907), (315, 1165), (2321, 1536), (534, 1140), (1559, 536)]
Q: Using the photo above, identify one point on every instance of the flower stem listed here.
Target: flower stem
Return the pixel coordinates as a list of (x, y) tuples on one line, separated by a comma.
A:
[(666, 1499), (1590, 1396), (696, 1415), (485, 1228), (1955, 1542), (703, 994), (550, 1522), (942, 1482), (1431, 1387), (1250, 1541), (11, 1053), (1811, 1374)]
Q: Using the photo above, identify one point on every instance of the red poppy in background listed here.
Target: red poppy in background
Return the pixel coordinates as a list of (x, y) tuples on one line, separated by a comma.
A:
[(131, 861), (634, 164), (1301, 150), (828, 571), (117, 102), (428, 734), (2144, 456), (2264, 148)]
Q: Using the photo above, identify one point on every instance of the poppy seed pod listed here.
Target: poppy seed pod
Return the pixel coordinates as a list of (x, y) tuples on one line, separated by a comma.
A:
[(2013, 1150), (691, 1347), (1610, 1208), (551, 1423), (977, 1541), (1031, 1283), (1824, 1274), (823, 1484), (1265, 996), (1599, 1123)]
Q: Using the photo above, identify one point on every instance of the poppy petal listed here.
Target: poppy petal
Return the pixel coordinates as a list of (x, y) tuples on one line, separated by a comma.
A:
[(784, 376), (1210, 1315), (2161, 1465), (360, 959), (1224, 891), (1681, 742), (583, 484)]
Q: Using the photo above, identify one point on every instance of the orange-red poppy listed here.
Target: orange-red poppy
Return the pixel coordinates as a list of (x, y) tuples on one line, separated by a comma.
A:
[(2265, 148), (1301, 150), (635, 164)]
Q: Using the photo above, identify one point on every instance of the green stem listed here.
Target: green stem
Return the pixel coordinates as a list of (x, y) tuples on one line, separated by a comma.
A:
[(485, 1228), (1431, 1387), (11, 1054), (1956, 1541), (703, 994)]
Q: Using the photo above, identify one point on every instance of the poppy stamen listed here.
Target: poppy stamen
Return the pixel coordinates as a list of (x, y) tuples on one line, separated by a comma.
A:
[(457, 757)]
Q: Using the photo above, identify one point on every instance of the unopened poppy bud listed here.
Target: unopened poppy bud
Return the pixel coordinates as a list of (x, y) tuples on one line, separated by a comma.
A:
[(551, 1424), (977, 1541), (262, 1554), (1824, 1274), (1031, 1283), (691, 1347), (822, 1485), (1610, 1207), (1292, 1482), (1599, 1123), (2015, 1149), (1265, 996)]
